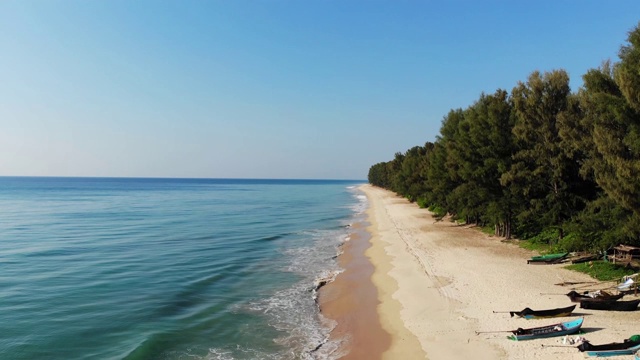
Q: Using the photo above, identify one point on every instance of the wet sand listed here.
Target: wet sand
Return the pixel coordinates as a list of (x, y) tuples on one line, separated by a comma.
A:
[(352, 300)]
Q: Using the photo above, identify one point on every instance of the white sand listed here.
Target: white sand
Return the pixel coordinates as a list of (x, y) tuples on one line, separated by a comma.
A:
[(439, 283)]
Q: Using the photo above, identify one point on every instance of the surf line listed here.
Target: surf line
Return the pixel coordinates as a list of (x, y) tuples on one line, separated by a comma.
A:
[(317, 285)]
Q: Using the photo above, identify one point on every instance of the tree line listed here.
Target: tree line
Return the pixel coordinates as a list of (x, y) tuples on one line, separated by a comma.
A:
[(541, 162)]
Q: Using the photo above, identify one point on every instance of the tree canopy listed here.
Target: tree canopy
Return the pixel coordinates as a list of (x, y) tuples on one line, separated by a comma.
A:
[(538, 160)]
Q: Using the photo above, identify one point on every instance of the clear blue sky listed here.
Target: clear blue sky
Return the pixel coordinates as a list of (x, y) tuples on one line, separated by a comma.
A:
[(268, 89)]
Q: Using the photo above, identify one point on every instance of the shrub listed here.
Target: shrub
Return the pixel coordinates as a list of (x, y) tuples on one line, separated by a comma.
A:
[(601, 270)]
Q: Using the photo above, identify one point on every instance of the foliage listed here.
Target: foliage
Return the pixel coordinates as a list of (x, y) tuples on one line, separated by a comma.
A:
[(557, 168), (548, 236), (600, 226), (612, 117), (544, 171), (601, 270), (489, 230), (437, 211), (540, 247), (422, 202), (572, 242)]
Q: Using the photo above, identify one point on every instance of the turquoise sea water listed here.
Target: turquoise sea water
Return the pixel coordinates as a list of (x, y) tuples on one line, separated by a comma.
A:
[(106, 268)]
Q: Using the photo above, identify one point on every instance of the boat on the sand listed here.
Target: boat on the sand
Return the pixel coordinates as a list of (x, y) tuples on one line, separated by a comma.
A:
[(560, 329), (594, 296), (527, 313), (584, 258), (610, 305), (548, 259), (628, 347)]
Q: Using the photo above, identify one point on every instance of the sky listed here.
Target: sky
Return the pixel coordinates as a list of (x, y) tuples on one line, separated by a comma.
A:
[(268, 89)]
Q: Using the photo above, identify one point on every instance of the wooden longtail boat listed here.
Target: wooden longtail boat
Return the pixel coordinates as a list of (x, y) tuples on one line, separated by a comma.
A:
[(560, 329), (549, 256), (585, 258), (539, 314), (604, 296), (611, 305), (547, 259), (627, 347)]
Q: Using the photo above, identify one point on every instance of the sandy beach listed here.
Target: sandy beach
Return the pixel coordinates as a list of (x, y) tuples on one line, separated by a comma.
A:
[(352, 301), (437, 283)]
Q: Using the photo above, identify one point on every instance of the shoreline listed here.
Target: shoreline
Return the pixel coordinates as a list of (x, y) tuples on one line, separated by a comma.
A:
[(351, 300), (438, 283)]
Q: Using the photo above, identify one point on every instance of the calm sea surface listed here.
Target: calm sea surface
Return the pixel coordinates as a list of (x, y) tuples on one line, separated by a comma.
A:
[(107, 268)]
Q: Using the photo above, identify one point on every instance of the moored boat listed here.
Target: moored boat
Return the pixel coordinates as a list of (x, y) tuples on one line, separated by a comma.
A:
[(548, 259), (597, 296), (585, 258), (628, 347), (560, 329), (527, 313), (611, 305)]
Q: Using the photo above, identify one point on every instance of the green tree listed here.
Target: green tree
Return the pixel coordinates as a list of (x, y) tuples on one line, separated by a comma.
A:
[(441, 172), (543, 171), (610, 124), (627, 74), (412, 174), (491, 120)]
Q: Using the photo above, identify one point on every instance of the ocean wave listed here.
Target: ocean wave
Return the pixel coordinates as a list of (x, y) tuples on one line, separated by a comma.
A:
[(361, 203), (294, 311), (168, 270)]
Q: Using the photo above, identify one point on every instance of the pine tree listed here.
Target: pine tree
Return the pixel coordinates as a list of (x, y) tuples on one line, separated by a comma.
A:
[(543, 171)]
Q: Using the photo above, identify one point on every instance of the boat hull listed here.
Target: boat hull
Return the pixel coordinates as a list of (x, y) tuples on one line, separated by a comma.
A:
[(615, 352), (547, 259), (542, 314), (576, 297), (610, 305), (561, 329)]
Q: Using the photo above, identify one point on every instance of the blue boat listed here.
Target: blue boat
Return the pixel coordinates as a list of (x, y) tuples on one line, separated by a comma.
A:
[(628, 347), (560, 329)]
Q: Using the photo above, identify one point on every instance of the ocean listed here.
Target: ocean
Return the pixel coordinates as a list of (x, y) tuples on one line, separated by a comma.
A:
[(133, 268)]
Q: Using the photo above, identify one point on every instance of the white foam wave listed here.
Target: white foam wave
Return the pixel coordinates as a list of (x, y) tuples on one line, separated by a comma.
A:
[(219, 354), (293, 311), (324, 279), (246, 353), (361, 203)]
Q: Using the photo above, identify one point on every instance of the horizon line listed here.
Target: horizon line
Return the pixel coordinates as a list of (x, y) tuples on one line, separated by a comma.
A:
[(172, 178)]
